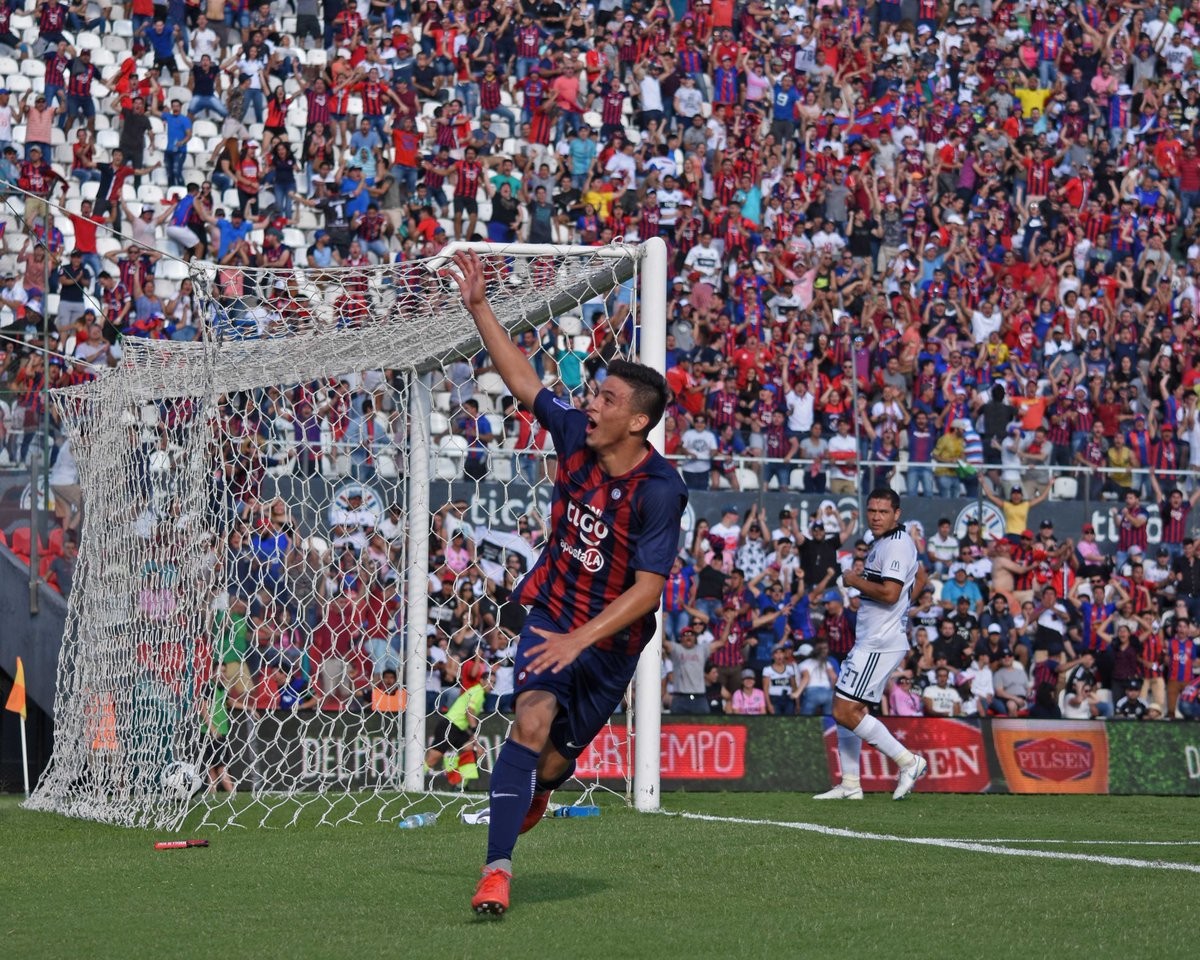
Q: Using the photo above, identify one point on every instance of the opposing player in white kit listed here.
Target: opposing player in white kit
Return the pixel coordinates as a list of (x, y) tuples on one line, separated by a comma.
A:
[(891, 577)]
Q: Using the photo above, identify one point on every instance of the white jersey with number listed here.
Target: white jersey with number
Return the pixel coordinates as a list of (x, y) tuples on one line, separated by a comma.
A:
[(884, 626)]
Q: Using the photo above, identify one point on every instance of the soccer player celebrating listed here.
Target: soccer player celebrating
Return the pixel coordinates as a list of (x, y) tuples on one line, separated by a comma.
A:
[(891, 577), (615, 519)]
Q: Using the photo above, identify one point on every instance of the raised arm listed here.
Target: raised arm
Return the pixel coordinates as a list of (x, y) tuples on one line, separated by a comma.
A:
[(512, 365)]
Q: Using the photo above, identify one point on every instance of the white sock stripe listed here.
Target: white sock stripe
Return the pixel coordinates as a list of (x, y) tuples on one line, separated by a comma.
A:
[(972, 846)]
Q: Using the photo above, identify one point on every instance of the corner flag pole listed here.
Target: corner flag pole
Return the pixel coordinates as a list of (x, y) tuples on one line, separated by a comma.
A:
[(16, 703)]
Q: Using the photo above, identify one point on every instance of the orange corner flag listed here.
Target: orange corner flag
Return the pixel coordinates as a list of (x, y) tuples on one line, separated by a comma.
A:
[(16, 699)]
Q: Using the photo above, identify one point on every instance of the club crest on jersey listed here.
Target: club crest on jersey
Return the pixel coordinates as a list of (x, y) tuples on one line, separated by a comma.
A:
[(616, 494)]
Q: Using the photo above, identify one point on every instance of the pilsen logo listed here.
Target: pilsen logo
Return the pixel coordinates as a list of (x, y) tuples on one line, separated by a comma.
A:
[(1053, 759)]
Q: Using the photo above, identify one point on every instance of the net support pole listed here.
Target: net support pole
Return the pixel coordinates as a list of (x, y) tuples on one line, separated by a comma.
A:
[(417, 580), (652, 313)]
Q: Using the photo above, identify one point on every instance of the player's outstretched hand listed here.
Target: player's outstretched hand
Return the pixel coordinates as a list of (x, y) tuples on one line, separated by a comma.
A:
[(559, 650), (468, 274)]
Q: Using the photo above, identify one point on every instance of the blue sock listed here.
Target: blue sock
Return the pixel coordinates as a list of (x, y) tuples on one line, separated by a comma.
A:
[(511, 794)]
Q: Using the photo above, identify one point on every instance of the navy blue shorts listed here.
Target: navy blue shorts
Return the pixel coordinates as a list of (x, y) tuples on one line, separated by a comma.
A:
[(588, 690)]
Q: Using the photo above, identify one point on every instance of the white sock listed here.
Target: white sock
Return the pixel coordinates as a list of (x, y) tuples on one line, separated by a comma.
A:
[(878, 736), (849, 749)]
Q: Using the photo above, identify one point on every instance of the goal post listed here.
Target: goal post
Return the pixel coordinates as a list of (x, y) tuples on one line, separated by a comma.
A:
[(268, 510), (648, 681)]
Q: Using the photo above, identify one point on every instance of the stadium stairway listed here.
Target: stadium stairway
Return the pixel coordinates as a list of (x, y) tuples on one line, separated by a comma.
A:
[(36, 639)]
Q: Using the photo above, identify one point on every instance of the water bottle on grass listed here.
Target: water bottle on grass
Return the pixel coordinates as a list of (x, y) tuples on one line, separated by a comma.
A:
[(415, 820), (577, 811)]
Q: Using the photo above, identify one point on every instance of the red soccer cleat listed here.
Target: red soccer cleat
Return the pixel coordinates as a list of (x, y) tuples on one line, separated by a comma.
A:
[(537, 810), (491, 894)]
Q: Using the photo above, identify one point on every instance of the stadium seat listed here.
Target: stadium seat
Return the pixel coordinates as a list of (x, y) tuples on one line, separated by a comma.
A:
[(747, 479), (21, 543), (489, 383), (385, 466), (171, 270), (1064, 488)]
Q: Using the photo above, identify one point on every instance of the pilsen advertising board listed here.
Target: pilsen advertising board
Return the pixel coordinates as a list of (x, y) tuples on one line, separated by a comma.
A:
[(313, 751)]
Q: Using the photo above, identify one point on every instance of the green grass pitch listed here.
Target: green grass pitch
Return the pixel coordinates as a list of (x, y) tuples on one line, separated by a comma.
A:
[(622, 885)]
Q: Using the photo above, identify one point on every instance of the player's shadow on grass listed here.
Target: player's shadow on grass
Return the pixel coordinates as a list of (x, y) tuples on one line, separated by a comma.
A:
[(533, 888), (549, 887)]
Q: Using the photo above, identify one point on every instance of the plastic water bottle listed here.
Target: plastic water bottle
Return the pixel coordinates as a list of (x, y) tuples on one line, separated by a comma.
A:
[(415, 820), (577, 811)]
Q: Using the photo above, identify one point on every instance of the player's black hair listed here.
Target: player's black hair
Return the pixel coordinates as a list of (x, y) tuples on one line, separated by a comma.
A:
[(649, 388), (885, 493)]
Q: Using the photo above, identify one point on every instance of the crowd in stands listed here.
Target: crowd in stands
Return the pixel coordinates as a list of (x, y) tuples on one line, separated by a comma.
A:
[(947, 247), (1029, 624)]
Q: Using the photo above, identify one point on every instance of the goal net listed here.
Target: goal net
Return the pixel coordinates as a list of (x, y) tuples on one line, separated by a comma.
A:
[(301, 534)]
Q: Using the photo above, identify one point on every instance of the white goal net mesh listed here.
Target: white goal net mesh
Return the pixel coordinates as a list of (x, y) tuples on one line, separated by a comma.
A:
[(300, 535)]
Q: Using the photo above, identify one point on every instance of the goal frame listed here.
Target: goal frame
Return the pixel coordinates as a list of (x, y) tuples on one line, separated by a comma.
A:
[(647, 701), (197, 375)]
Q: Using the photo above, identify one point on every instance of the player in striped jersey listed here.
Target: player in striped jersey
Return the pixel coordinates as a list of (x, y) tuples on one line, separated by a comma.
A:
[(892, 576), (615, 515)]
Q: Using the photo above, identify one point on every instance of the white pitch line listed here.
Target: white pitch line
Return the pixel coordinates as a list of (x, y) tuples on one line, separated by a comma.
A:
[(973, 846), (1096, 843)]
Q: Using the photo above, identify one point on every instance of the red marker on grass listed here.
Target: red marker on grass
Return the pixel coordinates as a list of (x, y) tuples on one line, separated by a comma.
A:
[(179, 844)]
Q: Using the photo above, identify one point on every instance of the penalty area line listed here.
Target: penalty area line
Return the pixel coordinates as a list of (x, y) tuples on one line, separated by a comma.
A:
[(972, 846)]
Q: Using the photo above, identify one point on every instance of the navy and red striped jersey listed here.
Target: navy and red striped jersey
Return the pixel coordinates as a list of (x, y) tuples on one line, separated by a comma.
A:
[(648, 222), (1153, 650), (535, 92), (1174, 521), (489, 92), (612, 108), (318, 107), (529, 41), (722, 408), (604, 530), (1130, 536), (1181, 651), (1164, 458), (469, 175), (444, 135), (80, 84), (372, 98), (56, 69), (52, 18)]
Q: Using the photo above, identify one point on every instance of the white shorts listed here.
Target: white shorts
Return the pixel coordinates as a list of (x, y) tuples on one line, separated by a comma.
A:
[(865, 673), (183, 236)]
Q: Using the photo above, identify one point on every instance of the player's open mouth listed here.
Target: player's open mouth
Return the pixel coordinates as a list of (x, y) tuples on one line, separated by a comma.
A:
[(591, 425)]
